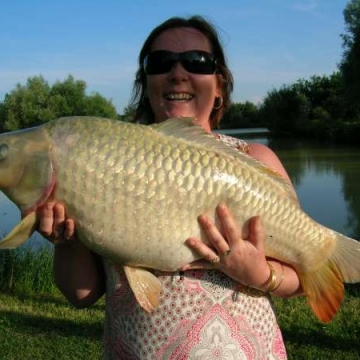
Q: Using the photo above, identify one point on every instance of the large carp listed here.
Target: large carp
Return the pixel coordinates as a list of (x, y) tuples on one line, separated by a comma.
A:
[(136, 192)]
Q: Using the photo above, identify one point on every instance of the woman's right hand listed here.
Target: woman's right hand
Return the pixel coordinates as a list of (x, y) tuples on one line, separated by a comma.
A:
[(78, 272), (54, 225)]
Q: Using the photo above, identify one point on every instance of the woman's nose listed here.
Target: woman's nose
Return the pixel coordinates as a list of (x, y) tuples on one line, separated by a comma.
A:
[(178, 72)]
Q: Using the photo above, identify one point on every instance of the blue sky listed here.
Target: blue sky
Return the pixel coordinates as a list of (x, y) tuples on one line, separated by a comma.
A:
[(268, 43)]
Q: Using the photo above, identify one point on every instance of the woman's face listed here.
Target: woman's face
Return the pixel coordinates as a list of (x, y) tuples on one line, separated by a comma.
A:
[(178, 92)]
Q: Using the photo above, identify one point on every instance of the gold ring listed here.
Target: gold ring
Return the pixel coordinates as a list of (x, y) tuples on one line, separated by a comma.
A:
[(215, 260)]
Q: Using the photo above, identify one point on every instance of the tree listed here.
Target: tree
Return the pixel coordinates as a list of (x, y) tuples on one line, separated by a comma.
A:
[(325, 96), (240, 115), (26, 105), (97, 105), (285, 110), (37, 102), (350, 63), (128, 114), (68, 97)]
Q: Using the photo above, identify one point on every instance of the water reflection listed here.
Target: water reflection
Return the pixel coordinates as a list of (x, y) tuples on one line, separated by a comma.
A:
[(326, 179), (10, 216)]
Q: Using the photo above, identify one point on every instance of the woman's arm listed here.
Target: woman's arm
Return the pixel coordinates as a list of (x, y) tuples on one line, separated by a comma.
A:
[(78, 272), (268, 157)]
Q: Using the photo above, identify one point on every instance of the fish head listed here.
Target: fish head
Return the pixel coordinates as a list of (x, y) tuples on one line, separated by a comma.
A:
[(26, 172)]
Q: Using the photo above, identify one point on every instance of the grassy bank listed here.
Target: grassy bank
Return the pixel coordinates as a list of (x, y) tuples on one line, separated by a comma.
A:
[(307, 338), (46, 327), (36, 322)]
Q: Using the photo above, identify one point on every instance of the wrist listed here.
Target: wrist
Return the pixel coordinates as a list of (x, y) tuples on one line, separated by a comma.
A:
[(274, 279)]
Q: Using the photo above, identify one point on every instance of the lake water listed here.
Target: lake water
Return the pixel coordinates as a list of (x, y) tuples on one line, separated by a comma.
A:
[(326, 178)]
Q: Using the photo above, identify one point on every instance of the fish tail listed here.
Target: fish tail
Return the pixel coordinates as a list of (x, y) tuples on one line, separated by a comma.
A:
[(324, 287)]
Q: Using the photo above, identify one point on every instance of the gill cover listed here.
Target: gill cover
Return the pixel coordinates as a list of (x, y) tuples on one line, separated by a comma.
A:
[(26, 177), (26, 172)]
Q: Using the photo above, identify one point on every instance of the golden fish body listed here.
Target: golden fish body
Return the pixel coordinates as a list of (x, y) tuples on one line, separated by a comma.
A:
[(136, 191)]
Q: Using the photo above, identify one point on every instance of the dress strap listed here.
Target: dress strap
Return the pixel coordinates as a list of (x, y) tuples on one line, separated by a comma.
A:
[(236, 143)]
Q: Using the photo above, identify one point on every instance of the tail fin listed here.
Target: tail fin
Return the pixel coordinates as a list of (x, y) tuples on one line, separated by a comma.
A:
[(324, 287)]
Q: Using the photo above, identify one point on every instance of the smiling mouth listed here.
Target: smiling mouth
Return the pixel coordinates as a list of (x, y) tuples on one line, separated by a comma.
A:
[(179, 97)]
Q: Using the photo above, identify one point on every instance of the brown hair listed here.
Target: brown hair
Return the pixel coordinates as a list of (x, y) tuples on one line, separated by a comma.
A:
[(143, 111)]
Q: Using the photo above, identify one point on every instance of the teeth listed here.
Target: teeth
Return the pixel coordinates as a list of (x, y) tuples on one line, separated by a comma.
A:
[(179, 97)]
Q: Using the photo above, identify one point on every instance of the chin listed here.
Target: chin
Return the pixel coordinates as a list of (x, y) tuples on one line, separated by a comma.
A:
[(180, 114)]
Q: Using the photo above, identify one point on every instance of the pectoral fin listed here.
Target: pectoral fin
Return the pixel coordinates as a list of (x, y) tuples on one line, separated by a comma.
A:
[(20, 233), (145, 286)]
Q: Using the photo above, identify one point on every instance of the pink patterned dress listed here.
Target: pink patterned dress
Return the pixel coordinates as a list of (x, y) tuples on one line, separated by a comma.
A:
[(203, 315)]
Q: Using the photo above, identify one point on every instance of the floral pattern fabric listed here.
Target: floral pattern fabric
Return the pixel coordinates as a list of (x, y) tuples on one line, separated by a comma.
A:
[(202, 315)]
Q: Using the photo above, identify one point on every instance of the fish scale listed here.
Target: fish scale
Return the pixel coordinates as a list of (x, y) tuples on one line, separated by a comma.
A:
[(135, 193)]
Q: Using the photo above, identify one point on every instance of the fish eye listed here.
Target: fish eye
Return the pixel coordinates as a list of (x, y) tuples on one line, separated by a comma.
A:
[(4, 149)]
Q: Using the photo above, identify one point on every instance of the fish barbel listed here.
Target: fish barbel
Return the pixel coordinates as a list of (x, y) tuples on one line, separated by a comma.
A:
[(135, 193)]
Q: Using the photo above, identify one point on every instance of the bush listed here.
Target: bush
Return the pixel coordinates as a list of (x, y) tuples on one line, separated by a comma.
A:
[(27, 270)]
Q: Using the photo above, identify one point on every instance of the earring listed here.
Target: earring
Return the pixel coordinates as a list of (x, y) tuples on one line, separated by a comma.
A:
[(220, 104)]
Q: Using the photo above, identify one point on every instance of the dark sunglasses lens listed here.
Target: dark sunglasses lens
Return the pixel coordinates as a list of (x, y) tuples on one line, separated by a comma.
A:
[(194, 61), (199, 62), (159, 62)]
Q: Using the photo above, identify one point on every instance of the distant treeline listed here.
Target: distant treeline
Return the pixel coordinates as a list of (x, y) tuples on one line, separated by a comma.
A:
[(318, 107)]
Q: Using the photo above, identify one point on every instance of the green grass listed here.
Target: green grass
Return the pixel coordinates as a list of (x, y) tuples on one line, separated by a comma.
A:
[(47, 327), (26, 270), (307, 338), (36, 322)]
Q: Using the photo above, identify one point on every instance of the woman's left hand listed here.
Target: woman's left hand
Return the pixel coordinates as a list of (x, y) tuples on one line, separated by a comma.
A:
[(239, 253)]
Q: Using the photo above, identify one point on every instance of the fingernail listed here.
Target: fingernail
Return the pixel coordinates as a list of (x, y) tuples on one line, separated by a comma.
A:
[(221, 207)]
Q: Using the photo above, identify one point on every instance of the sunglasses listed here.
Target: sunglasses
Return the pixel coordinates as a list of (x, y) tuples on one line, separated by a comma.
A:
[(193, 61)]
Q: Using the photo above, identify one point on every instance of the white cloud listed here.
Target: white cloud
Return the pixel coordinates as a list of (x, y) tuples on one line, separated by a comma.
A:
[(306, 7)]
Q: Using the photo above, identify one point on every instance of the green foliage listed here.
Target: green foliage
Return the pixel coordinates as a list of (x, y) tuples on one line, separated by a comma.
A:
[(37, 102), (240, 115), (46, 326), (97, 105), (129, 114), (307, 338), (313, 108), (323, 92), (26, 105), (285, 110), (25, 270), (350, 64)]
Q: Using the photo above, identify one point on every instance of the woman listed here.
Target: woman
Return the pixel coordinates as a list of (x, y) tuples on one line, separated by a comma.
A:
[(202, 314)]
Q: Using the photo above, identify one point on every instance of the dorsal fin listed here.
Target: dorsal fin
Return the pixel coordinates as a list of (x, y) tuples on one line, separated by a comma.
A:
[(185, 128), (188, 130)]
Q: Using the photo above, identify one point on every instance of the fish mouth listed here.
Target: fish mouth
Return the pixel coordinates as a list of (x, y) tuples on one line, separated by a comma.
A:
[(179, 97)]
